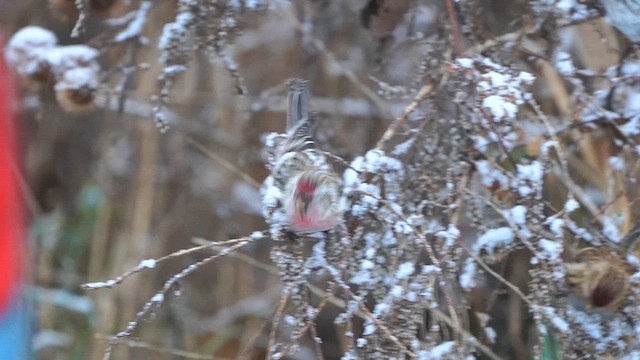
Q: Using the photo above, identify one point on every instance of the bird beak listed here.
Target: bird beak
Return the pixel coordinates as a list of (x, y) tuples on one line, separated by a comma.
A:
[(302, 204)]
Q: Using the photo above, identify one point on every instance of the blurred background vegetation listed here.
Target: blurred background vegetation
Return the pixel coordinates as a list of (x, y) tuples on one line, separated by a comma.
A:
[(105, 189)]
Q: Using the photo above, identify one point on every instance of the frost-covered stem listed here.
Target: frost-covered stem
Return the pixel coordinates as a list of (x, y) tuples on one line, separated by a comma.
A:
[(616, 197), (428, 248), (467, 335), (158, 298), (572, 187), (430, 252), (136, 25), (332, 60), (131, 63), (335, 275), (499, 140), (455, 27), (580, 194), (226, 164), (249, 346), (243, 257), (498, 277), (160, 349), (316, 342), (78, 28), (232, 68), (495, 42), (391, 130), (151, 263), (552, 133), (286, 292), (509, 222), (340, 303), (457, 205), (310, 325)]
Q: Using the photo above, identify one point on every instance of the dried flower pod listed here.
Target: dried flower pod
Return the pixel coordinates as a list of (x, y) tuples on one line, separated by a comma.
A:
[(26, 53), (599, 277), (64, 58), (76, 90)]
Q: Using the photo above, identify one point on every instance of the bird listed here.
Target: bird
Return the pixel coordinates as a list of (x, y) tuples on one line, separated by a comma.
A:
[(311, 189), (600, 278)]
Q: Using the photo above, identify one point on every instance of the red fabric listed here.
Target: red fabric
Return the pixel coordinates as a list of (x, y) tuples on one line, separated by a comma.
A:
[(10, 210)]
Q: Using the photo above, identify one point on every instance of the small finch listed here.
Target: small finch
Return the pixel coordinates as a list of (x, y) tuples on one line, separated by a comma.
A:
[(599, 277), (310, 188)]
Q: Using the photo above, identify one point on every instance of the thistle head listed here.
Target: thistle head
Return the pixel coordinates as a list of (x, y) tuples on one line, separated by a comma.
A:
[(600, 277)]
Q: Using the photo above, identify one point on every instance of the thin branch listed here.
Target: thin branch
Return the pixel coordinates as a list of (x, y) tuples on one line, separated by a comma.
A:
[(226, 164), (335, 275), (159, 297), (151, 263), (310, 325), (391, 130), (455, 27), (284, 7), (160, 349), (286, 292)]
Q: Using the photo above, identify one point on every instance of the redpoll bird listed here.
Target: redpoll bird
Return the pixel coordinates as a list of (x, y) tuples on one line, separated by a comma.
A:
[(310, 188), (624, 15), (600, 278)]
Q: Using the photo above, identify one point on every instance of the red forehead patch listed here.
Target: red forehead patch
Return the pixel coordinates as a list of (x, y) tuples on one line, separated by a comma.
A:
[(305, 186)]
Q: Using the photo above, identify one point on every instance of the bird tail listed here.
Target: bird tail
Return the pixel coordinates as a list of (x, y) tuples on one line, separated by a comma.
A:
[(298, 102), (300, 121)]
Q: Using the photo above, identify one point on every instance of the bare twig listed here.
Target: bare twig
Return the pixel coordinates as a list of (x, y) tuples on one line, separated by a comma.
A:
[(455, 27), (161, 349), (286, 292), (151, 263), (331, 58), (422, 94), (226, 164), (157, 299)]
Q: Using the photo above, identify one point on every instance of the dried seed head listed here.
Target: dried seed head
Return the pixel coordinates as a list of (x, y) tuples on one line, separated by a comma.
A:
[(600, 278), (76, 90), (26, 52)]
